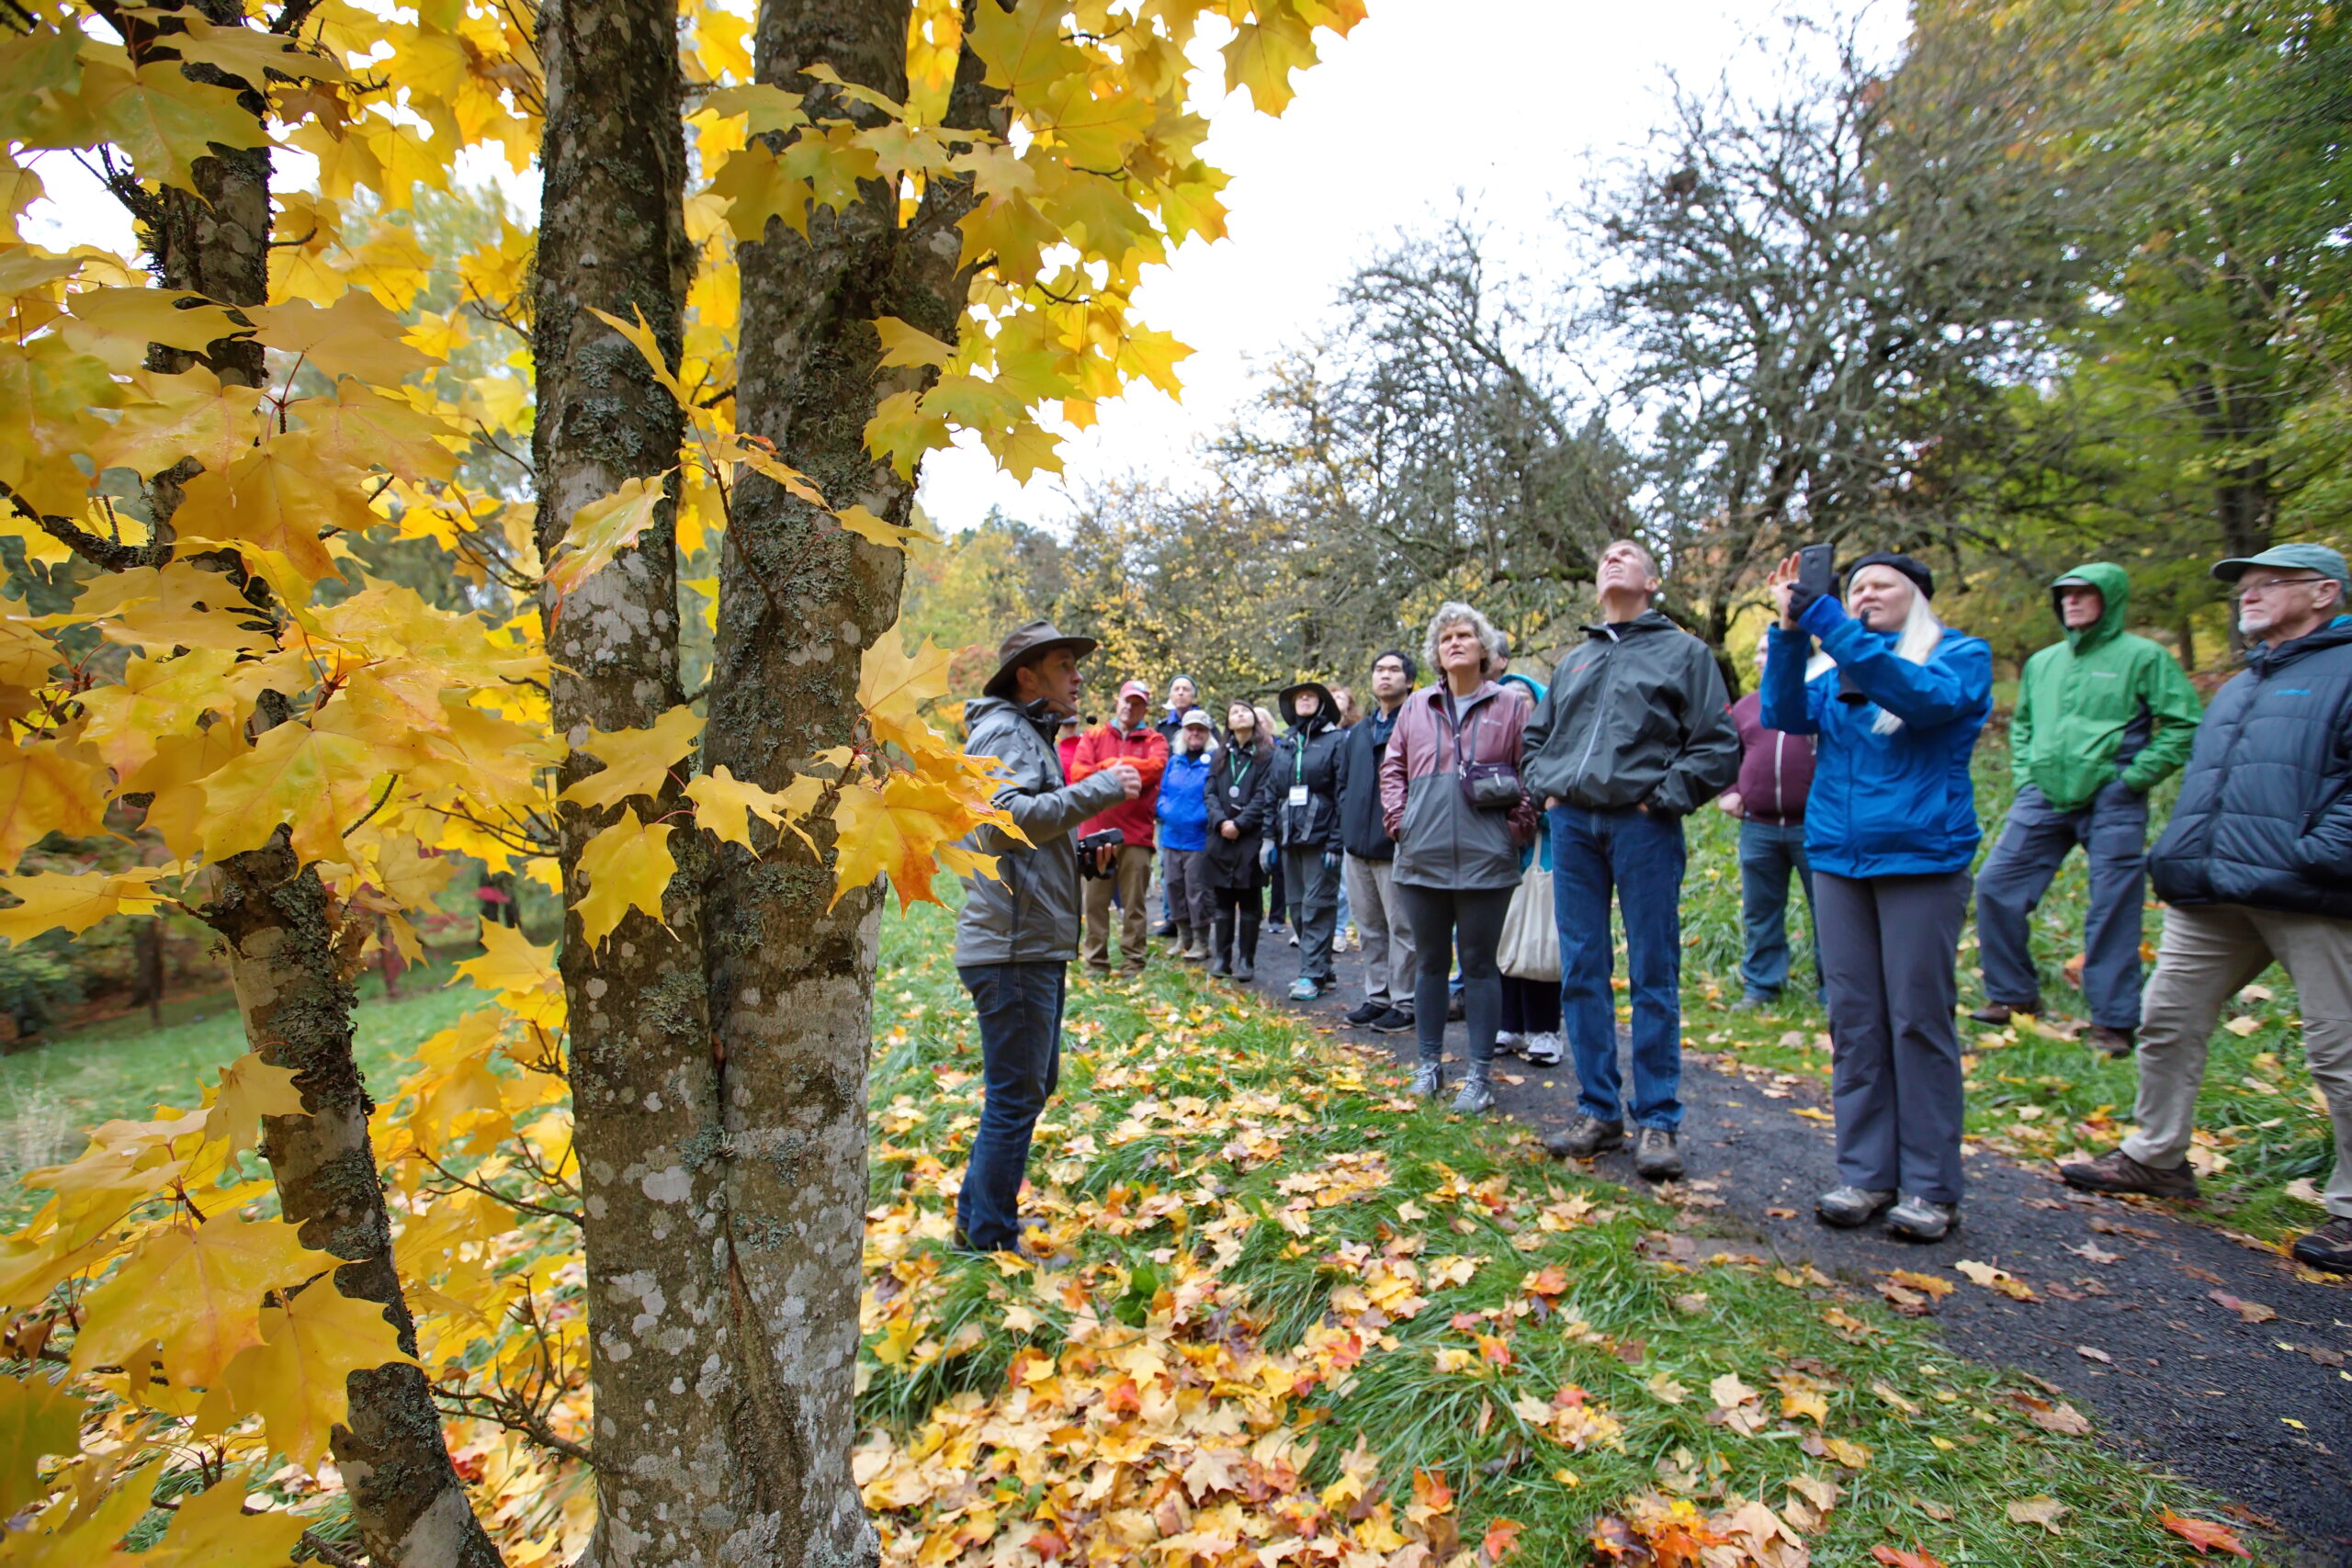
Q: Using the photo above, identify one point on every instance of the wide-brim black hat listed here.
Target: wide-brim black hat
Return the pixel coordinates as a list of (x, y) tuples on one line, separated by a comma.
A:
[(1027, 643), (1288, 698)]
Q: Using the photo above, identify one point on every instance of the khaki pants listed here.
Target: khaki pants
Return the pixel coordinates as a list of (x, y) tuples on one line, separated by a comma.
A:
[(1133, 879), (1388, 960), (2210, 952)]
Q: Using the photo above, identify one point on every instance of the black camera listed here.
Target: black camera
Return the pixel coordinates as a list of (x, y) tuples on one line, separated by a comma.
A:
[(1089, 852)]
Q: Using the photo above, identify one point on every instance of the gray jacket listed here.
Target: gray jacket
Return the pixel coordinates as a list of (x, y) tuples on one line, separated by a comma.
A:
[(1029, 912), (1635, 716)]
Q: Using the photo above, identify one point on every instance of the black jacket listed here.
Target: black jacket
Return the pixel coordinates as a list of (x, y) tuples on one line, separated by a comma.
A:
[(1309, 757), (1637, 716), (1361, 745), (1241, 790), (2264, 816)]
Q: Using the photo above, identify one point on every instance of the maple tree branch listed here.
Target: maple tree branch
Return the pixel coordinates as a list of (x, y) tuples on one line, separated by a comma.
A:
[(389, 784), (328, 1551), (472, 1184), (516, 1416), (106, 555)]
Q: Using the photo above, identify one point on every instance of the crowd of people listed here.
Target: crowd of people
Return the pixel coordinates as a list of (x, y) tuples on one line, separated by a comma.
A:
[(1477, 829)]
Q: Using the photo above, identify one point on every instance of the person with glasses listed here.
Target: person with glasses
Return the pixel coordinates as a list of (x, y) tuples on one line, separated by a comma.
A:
[(1367, 876), (2256, 868)]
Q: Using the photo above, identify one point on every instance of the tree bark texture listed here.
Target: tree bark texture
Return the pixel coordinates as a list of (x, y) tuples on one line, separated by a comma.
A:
[(799, 602), (292, 979), (677, 1482), (291, 963)]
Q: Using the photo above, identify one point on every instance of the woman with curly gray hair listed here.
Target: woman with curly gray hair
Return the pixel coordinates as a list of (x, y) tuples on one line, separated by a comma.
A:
[(1451, 798)]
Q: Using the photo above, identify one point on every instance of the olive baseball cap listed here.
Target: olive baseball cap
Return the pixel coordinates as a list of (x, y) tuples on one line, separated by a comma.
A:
[(2320, 558)]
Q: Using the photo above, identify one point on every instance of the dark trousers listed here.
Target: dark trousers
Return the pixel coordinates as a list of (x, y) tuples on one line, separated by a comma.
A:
[(1769, 853), (2035, 840), (1314, 890), (1530, 1006), (1233, 926), (1640, 858), (1887, 947), (1446, 922), (1020, 1009)]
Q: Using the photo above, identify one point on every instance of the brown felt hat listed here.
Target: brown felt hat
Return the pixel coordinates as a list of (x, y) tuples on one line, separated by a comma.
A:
[(1025, 645)]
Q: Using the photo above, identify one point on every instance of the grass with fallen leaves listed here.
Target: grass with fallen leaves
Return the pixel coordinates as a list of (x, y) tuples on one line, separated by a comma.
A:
[(1286, 1315)]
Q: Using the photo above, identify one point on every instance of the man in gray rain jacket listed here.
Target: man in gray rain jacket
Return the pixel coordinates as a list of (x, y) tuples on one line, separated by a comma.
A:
[(1019, 930)]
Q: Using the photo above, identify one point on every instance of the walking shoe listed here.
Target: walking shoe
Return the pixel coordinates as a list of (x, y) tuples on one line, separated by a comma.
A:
[(1754, 1001), (1584, 1137), (1846, 1207), (2114, 1041), (1545, 1049), (1396, 1020), (2328, 1247), (1304, 989), (1655, 1156), (1429, 1080), (1198, 952), (1995, 1014), (1508, 1044), (1477, 1096), (1220, 968), (1293, 936), (2116, 1171), (1366, 1013), (1919, 1219), (1166, 928)]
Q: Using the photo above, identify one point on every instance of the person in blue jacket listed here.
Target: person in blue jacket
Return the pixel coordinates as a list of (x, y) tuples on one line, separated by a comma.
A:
[(1891, 830), (1183, 815)]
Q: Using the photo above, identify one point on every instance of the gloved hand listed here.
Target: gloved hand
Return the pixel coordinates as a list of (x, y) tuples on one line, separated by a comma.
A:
[(1800, 599), (1266, 855), (1331, 860)]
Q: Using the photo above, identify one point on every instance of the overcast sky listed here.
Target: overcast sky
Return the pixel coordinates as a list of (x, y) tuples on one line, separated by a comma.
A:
[(1507, 106)]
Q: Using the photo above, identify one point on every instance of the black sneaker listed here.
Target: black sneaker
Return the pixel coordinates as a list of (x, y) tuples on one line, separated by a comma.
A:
[(1396, 1020), (1995, 1014), (2328, 1247), (1366, 1013), (1165, 929), (1584, 1137)]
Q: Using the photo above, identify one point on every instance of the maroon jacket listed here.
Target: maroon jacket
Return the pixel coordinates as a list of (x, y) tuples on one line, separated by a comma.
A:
[(1775, 768), (1442, 840)]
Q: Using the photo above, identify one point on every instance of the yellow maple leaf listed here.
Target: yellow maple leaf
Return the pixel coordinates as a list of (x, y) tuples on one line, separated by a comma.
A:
[(635, 760), (362, 428), (895, 830), (315, 777), (249, 1089), (724, 804), (42, 790), (892, 683), (355, 336), (163, 120), (280, 497), (171, 317), (212, 1529), (640, 338), (74, 901), (905, 345), (188, 415), (603, 529), (627, 866), (155, 697), (37, 1418), (296, 1380), (198, 1292)]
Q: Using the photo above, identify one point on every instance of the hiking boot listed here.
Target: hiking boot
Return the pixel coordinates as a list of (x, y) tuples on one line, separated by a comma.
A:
[(1584, 1137), (2114, 1041), (2116, 1171), (1220, 968), (1477, 1096), (1920, 1219), (1655, 1156), (1429, 1080), (1366, 1013), (1847, 1206), (1304, 989), (1995, 1014), (1396, 1020), (2328, 1247), (1198, 952), (1545, 1049), (1244, 970)]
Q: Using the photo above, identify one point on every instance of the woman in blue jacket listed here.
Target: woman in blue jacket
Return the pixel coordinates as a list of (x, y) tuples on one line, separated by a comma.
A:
[(1891, 830)]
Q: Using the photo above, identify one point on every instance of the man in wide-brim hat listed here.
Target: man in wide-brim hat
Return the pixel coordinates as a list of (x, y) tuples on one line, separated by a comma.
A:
[(1019, 928)]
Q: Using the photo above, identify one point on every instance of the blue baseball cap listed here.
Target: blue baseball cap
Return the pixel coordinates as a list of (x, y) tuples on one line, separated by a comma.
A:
[(2320, 559)]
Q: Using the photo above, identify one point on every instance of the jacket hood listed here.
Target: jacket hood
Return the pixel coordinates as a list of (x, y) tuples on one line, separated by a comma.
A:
[(2114, 586), (1327, 712)]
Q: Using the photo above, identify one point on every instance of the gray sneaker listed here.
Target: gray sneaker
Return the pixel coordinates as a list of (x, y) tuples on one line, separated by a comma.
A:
[(1847, 1207), (1917, 1219), (1429, 1082), (1655, 1156), (1584, 1137), (1477, 1097)]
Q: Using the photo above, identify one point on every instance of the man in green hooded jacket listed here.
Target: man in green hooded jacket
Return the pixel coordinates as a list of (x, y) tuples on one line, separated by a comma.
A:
[(2102, 719)]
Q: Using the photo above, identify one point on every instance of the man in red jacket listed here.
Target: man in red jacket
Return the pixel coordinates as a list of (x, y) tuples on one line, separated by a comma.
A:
[(1129, 735)]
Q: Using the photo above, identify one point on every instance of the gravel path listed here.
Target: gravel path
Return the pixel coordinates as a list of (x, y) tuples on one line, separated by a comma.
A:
[(2253, 1400)]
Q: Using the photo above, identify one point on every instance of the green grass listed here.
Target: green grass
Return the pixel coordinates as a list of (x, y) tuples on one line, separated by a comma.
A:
[(2029, 1095), (1143, 1150)]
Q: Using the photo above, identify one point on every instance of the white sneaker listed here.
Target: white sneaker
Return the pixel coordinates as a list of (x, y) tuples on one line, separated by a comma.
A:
[(1545, 1049), (1508, 1044)]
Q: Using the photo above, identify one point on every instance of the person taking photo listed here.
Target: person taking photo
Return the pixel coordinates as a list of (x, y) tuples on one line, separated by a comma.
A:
[(1129, 738)]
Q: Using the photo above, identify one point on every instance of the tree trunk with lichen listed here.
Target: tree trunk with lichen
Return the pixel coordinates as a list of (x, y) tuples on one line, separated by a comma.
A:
[(291, 956), (674, 1478), (799, 602)]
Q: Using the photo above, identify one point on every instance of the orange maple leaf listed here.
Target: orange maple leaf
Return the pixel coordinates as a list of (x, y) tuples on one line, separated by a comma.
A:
[(2204, 1534)]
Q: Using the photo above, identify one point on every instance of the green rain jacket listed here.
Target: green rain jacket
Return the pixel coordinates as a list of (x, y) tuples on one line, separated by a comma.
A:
[(2100, 705)]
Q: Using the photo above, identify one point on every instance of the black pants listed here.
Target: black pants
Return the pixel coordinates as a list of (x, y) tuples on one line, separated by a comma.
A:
[(1450, 923), (1234, 932), (1531, 1007)]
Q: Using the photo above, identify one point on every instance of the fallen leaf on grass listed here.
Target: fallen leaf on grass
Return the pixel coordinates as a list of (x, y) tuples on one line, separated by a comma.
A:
[(1886, 1392), (2045, 1511), (1892, 1557), (1933, 1509), (2248, 1311), (1850, 1328), (1781, 1213), (1501, 1540), (1811, 1114), (1667, 1389), (2092, 1353), (2204, 1534), (1854, 1456), (1994, 1278), (2242, 1025)]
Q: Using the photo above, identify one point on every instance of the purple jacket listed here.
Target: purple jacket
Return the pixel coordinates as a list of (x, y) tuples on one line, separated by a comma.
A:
[(1442, 840), (1775, 767)]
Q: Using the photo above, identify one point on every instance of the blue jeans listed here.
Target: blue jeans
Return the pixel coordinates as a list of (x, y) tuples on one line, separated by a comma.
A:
[(1020, 1009), (1769, 852), (1640, 857)]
